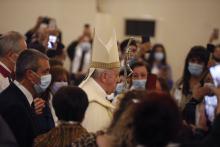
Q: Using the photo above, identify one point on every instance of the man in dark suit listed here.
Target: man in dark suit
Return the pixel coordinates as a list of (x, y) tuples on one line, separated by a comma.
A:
[(32, 78)]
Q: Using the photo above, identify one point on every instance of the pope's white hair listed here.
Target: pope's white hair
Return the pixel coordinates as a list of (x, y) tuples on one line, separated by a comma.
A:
[(99, 71)]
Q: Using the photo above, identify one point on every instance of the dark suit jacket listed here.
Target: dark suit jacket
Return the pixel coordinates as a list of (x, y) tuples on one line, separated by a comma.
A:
[(44, 121), (212, 140), (6, 137), (17, 112)]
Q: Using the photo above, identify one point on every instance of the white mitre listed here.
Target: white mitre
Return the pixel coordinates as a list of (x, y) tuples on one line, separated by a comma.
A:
[(104, 49)]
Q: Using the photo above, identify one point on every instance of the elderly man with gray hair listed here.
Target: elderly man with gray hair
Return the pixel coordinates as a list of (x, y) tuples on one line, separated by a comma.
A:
[(32, 78), (11, 45)]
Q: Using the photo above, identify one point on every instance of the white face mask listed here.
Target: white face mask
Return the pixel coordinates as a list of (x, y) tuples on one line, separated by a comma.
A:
[(57, 85), (159, 56), (138, 84), (209, 84), (195, 69), (85, 46), (45, 81), (119, 88)]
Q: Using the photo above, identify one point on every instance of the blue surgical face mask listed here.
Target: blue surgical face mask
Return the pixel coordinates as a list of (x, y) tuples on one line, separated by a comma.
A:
[(57, 85), (159, 56), (138, 84), (195, 69), (85, 46), (44, 83), (119, 88)]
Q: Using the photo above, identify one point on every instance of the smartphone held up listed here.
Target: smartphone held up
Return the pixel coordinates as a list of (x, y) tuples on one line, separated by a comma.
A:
[(215, 73), (52, 42)]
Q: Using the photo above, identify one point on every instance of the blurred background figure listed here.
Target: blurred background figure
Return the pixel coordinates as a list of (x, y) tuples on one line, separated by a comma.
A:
[(133, 51), (216, 55), (79, 53), (158, 64), (41, 23), (47, 38), (145, 48), (86, 33), (81, 61), (58, 53), (40, 40), (55, 62)]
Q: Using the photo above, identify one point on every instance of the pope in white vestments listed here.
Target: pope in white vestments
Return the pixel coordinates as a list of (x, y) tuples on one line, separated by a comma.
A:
[(102, 77)]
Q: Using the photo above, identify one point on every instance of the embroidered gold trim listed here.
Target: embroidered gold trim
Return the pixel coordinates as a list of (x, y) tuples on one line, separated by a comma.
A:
[(105, 65)]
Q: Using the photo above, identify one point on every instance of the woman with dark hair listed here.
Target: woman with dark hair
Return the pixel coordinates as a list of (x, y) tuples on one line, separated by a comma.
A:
[(156, 120), (126, 100), (143, 119), (119, 133), (60, 78), (30, 33), (195, 65), (158, 64), (70, 104)]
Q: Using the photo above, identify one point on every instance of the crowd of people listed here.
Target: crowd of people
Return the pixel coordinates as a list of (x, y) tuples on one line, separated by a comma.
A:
[(114, 94)]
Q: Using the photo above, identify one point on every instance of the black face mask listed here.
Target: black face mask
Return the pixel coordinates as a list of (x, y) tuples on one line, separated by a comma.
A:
[(216, 59)]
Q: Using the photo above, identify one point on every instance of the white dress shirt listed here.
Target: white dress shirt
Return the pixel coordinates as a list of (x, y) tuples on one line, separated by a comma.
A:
[(24, 90), (4, 82), (52, 110)]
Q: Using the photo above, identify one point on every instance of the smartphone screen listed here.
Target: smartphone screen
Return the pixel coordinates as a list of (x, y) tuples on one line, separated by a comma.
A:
[(210, 106), (215, 72), (151, 82), (52, 41)]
